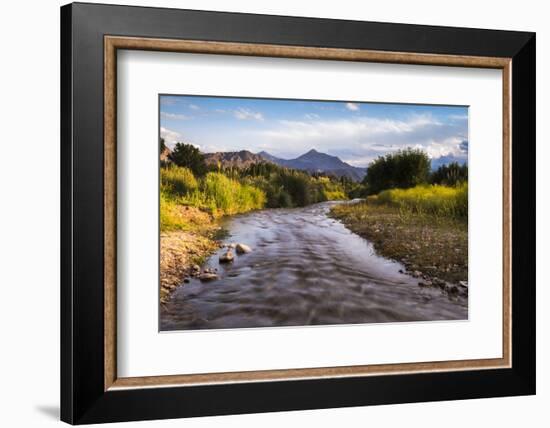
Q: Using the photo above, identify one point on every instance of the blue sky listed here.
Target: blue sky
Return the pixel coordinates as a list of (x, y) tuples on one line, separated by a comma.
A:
[(355, 132)]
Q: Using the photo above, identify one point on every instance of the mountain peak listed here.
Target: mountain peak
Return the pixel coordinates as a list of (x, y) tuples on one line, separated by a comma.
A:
[(314, 155), (311, 161)]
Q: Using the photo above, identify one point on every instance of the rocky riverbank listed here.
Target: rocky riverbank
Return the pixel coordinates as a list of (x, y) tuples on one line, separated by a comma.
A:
[(433, 250), (181, 251)]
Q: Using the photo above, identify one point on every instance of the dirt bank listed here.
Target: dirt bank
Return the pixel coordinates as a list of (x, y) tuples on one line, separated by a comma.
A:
[(181, 249), (435, 250)]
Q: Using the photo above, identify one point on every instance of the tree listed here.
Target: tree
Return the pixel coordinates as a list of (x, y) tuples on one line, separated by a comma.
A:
[(402, 169), (451, 174), (162, 146), (188, 156)]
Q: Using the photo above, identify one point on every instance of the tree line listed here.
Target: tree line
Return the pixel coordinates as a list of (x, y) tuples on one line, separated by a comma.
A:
[(284, 187), (408, 168)]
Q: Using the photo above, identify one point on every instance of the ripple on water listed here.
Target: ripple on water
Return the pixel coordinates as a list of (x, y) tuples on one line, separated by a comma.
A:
[(305, 269)]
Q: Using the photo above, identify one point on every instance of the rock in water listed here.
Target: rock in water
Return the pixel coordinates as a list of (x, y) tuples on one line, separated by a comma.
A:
[(226, 257), (208, 276), (242, 249)]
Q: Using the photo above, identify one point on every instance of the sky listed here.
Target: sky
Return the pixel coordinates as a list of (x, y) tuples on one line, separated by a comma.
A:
[(356, 132)]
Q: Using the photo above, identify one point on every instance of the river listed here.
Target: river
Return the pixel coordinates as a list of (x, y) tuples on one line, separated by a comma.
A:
[(305, 269)]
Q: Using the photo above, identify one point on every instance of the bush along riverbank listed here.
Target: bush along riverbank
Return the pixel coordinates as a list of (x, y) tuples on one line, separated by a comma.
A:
[(193, 197), (429, 234), (192, 202)]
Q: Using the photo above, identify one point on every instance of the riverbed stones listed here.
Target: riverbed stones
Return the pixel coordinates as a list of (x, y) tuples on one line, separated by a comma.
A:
[(439, 283), (452, 289), (227, 257), (207, 276), (243, 248)]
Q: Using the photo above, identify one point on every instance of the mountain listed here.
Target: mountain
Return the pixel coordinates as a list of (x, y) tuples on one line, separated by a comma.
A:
[(269, 157), (314, 161), (241, 159)]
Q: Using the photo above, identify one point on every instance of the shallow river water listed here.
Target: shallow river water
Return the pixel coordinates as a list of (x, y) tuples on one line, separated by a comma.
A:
[(305, 269)]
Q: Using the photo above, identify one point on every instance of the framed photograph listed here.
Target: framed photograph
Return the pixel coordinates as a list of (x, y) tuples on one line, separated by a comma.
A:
[(265, 213)]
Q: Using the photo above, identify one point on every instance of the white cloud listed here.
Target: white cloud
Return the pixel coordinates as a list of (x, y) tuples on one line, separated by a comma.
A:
[(362, 129), (446, 147), (173, 116), (311, 116), (194, 107), (169, 136), (245, 114), (361, 139), (352, 106)]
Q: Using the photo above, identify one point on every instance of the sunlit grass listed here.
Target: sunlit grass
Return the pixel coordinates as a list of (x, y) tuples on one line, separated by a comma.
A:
[(227, 196), (436, 200), (176, 180), (214, 193)]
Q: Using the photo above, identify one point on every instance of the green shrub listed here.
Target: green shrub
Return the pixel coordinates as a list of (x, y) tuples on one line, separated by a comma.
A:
[(226, 196), (335, 195), (450, 175), (177, 180), (188, 156), (402, 169)]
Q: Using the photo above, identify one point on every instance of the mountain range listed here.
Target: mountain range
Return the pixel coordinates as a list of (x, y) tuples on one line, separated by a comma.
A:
[(312, 162), (240, 159)]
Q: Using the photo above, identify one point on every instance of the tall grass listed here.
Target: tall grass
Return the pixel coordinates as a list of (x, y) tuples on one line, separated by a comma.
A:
[(227, 196), (170, 214), (214, 192), (176, 180), (441, 201)]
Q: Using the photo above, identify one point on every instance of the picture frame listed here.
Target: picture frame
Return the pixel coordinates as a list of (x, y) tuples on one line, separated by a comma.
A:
[(91, 391)]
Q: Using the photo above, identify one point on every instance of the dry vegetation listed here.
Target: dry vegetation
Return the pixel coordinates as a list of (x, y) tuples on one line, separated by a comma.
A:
[(433, 246), (183, 247)]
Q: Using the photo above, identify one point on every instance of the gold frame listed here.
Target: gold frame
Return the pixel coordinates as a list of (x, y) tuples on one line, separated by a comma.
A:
[(112, 43)]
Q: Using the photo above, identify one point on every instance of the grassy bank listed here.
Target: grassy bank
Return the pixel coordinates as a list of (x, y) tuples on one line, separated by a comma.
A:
[(429, 238), (435, 200), (184, 246), (214, 193), (189, 208)]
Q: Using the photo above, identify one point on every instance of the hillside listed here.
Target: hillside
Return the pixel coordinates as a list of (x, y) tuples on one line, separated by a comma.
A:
[(241, 159), (314, 161)]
